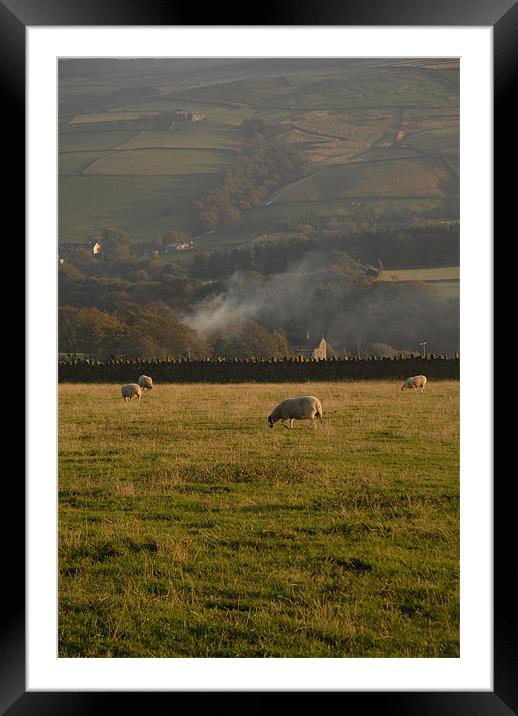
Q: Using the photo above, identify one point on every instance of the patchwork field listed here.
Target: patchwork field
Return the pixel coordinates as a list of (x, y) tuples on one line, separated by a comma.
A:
[(402, 113), (323, 91), (188, 528)]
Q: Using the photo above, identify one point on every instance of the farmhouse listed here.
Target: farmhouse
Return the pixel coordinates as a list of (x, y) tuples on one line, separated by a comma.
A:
[(182, 116), (93, 246), (179, 246), (316, 352), (167, 119)]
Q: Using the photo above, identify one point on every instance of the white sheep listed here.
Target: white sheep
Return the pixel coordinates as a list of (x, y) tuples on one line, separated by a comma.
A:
[(130, 390), (145, 382), (306, 407), (416, 381)]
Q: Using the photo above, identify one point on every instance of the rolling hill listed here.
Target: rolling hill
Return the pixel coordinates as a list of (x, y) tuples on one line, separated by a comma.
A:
[(141, 140)]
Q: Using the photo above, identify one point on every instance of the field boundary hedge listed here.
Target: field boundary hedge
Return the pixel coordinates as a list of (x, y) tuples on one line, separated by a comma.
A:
[(219, 370)]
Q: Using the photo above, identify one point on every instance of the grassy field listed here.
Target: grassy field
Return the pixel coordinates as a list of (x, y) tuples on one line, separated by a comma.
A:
[(189, 137), (445, 278), (157, 162), (441, 273), (137, 204), (188, 528), (398, 178), (102, 117), (441, 141), (92, 141)]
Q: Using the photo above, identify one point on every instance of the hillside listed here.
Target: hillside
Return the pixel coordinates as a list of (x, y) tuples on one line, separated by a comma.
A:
[(368, 132)]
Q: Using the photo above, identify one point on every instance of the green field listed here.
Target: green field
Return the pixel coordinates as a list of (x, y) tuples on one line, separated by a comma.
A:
[(188, 528), (78, 141), (75, 163), (159, 162), (192, 136), (442, 140), (139, 204)]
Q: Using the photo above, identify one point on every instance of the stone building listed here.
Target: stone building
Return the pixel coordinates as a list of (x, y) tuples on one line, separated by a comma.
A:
[(316, 352)]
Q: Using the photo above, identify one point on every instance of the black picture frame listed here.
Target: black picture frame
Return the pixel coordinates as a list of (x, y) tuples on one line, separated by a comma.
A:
[(15, 17)]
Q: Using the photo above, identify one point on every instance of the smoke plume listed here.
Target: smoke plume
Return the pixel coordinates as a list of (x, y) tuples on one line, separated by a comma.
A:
[(325, 294)]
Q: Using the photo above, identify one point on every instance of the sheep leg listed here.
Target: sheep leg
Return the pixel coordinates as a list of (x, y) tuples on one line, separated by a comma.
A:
[(291, 423)]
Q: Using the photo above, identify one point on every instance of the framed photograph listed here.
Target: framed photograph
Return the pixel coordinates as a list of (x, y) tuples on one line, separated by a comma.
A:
[(220, 197)]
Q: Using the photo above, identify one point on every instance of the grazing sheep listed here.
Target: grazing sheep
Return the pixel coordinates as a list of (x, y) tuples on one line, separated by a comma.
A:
[(416, 381), (145, 382), (305, 408), (129, 391)]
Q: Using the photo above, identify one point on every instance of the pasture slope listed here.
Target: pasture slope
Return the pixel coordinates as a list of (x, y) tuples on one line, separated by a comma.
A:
[(374, 133), (188, 528)]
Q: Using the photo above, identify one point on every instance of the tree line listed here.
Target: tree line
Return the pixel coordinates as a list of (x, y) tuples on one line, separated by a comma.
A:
[(267, 163), (433, 244), (155, 330)]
